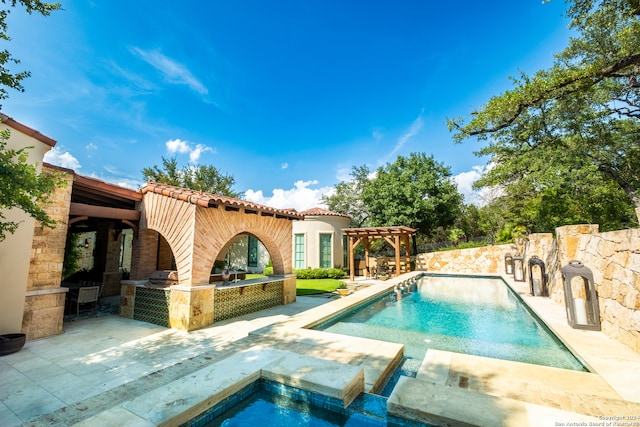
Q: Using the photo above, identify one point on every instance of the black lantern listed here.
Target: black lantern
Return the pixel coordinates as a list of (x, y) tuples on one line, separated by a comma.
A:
[(580, 296), (537, 277), (518, 268), (508, 263)]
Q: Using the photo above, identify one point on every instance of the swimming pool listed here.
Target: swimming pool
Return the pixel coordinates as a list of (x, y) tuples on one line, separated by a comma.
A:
[(267, 403), (472, 315)]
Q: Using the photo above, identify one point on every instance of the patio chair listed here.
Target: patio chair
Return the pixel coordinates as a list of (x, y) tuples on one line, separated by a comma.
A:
[(87, 296), (381, 270)]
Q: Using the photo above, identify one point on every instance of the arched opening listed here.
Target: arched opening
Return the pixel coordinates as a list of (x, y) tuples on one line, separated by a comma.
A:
[(245, 253)]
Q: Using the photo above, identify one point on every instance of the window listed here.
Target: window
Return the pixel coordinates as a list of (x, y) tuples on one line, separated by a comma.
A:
[(299, 252), (252, 256), (325, 251)]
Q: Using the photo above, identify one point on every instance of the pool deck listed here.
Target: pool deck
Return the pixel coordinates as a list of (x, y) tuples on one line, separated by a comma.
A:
[(110, 370)]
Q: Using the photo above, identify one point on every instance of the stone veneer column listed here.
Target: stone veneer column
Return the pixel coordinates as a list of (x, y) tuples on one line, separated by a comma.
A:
[(191, 307), (128, 297), (289, 289), (44, 303)]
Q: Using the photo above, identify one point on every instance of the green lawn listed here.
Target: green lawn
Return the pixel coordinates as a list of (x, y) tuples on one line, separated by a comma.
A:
[(316, 286), (309, 286)]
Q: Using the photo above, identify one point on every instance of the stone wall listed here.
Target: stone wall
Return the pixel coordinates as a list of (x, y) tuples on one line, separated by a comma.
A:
[(484, 260), (614, 259), (44, 303)]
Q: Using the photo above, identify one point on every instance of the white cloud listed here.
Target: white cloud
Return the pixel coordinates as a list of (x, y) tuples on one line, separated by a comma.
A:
[(133, 184), (172, 71), (177, 146), (183, 147), (63, 159), (465, 181), (284, 166), (91, 146), (301, 197), (194, 155)]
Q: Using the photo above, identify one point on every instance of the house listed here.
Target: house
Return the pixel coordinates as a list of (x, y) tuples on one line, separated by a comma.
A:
[(164, 229), (319, 240)]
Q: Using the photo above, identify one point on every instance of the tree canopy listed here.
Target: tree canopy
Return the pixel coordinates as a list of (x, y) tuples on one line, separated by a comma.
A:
[(205, 178), (563, 143), (23, 187), (347, 197), (414, 191)]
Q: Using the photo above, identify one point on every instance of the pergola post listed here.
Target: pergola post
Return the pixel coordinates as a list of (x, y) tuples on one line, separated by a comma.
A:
[(396, 246), (352, 261)]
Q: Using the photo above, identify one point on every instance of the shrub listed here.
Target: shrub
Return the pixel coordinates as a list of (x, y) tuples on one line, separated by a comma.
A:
[(320, 273)]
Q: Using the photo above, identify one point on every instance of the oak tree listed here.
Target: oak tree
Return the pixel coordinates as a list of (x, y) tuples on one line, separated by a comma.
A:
[(568, 135)]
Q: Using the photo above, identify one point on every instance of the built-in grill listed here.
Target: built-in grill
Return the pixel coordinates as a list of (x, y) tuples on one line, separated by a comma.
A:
[(163, 278)]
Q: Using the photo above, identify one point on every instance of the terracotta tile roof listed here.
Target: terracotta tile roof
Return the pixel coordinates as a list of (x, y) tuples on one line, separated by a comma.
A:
[(26, 130), (209, 200), (322, 212)]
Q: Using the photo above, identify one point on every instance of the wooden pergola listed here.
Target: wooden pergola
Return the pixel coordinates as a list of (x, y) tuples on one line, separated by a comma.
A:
[(396, 236)]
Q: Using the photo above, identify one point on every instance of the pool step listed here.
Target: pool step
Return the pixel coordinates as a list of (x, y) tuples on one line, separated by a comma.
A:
[(441, 405), (574, 391), (378, 358), (181, 400)]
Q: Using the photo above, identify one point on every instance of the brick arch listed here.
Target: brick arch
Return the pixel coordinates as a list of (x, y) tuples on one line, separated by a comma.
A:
[(173, 220), (197, 234), (216, 228)]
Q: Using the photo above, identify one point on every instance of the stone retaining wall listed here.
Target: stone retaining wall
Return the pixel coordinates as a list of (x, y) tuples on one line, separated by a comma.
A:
[(484, 260), (614, 259)]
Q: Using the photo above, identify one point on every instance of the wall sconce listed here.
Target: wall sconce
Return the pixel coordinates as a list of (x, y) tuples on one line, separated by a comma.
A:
[(518, 268), (580, 296), (537, 277), (508, 263)]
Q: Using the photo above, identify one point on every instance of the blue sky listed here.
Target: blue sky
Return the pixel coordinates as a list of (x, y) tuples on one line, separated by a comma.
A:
[(285, 96)]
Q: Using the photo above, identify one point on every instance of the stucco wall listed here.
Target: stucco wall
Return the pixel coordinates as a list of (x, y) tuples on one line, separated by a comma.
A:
[(15, 250), (312, 227)]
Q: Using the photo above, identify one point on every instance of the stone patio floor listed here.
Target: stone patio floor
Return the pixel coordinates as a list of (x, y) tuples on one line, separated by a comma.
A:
[(100, 362)]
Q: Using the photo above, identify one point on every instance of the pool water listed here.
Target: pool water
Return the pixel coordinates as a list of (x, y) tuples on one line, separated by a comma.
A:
[(266, 409), (471, 315)]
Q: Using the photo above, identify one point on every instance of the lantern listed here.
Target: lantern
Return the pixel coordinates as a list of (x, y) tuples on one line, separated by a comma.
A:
[(580, 296), (537, 277), (508, 263), (518, 268)]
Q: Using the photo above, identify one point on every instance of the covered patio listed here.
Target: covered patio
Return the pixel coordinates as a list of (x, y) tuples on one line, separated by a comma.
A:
[(396, 236)]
